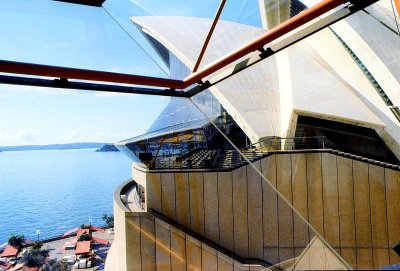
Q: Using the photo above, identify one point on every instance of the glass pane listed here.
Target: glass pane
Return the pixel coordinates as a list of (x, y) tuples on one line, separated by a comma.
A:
[(277, 195), (53, 180), (70, 35)]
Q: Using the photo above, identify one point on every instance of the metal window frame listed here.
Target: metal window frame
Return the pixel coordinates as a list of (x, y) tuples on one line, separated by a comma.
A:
[(397, 4), (209, 35), (64, 74), (93, 3)]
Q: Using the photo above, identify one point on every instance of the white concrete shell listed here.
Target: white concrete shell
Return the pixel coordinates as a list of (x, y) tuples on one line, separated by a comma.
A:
[(316, 77), (254, 105)]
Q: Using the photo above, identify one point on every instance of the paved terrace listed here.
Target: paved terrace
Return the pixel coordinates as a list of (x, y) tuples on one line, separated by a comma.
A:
[(100, 251)]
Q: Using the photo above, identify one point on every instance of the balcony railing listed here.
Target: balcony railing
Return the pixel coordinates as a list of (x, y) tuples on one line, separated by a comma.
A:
[(225, 156)]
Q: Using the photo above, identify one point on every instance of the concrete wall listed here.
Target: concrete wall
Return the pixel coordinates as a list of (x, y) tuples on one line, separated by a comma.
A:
[(155, 245), (116, 257), (352, 204)]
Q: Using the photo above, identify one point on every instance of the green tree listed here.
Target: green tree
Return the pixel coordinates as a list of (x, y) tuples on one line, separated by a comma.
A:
[(37, 245), (34, 257), (109, 219), (83, 226), (16, 240), (84, 237), (54, 265)]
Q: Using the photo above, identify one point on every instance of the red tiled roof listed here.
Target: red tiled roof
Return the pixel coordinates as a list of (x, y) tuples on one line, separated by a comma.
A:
[(82, 247), (69, 232), (5, 265), (67, 244), (79, 232), (18, 266), (93, 228), (100, 241), (10, 251), (30, 268)]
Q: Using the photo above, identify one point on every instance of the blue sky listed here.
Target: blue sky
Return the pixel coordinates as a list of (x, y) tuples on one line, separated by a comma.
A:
[(61, 34)]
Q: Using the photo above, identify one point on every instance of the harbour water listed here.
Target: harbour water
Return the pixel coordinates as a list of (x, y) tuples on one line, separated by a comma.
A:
[(57, 190)]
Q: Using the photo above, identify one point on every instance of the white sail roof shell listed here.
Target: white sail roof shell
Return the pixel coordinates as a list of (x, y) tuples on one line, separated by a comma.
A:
[(263, 98)]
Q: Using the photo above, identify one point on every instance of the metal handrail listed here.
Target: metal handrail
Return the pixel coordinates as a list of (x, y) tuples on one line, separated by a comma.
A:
[(226, 157)]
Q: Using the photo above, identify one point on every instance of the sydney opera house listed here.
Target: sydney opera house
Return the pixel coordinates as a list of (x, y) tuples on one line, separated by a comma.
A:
[(319, 120), (279, 148)]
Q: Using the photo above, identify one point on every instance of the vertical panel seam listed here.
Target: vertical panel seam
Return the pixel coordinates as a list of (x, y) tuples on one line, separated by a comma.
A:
[(161, 197), (155, 244), (201, 255), (247, 211), (262, 209), (190, 204), (186, 257), (217, 259), (387, 217), (338, 198), (323, 202), (187, 197), (204, 207), (370, 216), (233, 215), (219, 221), (176, 215), (291, 193), (170, 248), (140, 242), (277, 207), (354, 212), (219, 227), (308, 202)]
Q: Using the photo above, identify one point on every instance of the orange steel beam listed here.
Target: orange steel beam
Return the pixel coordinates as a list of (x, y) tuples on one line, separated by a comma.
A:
[(271, 35), (397, 3), (70, 73), (205, 44), (258, 43)]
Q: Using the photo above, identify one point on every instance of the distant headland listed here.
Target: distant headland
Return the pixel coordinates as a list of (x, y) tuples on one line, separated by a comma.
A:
[(67, 146), (107, 148)]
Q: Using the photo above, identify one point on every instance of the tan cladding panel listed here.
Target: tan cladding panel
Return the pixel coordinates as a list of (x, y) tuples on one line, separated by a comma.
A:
[(155, 245), (182, 199), (211, 206), (178, 251), (208, 260), (240, 229), (346, 211), (139, 176), (285, 217), (153, 192), (299, 186), (331, 199), (225, 265), (163, 247), (270, 211), (193, 256), (315, 192), (392, 179), (344, 199), (168, 194), (362, 215), (378, 215), (132, 239), (147, 244), (255, 212), (117, 257), (225, 210), (196, 199)]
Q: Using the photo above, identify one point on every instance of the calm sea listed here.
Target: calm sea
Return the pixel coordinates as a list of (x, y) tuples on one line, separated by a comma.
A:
[(58, 190)]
